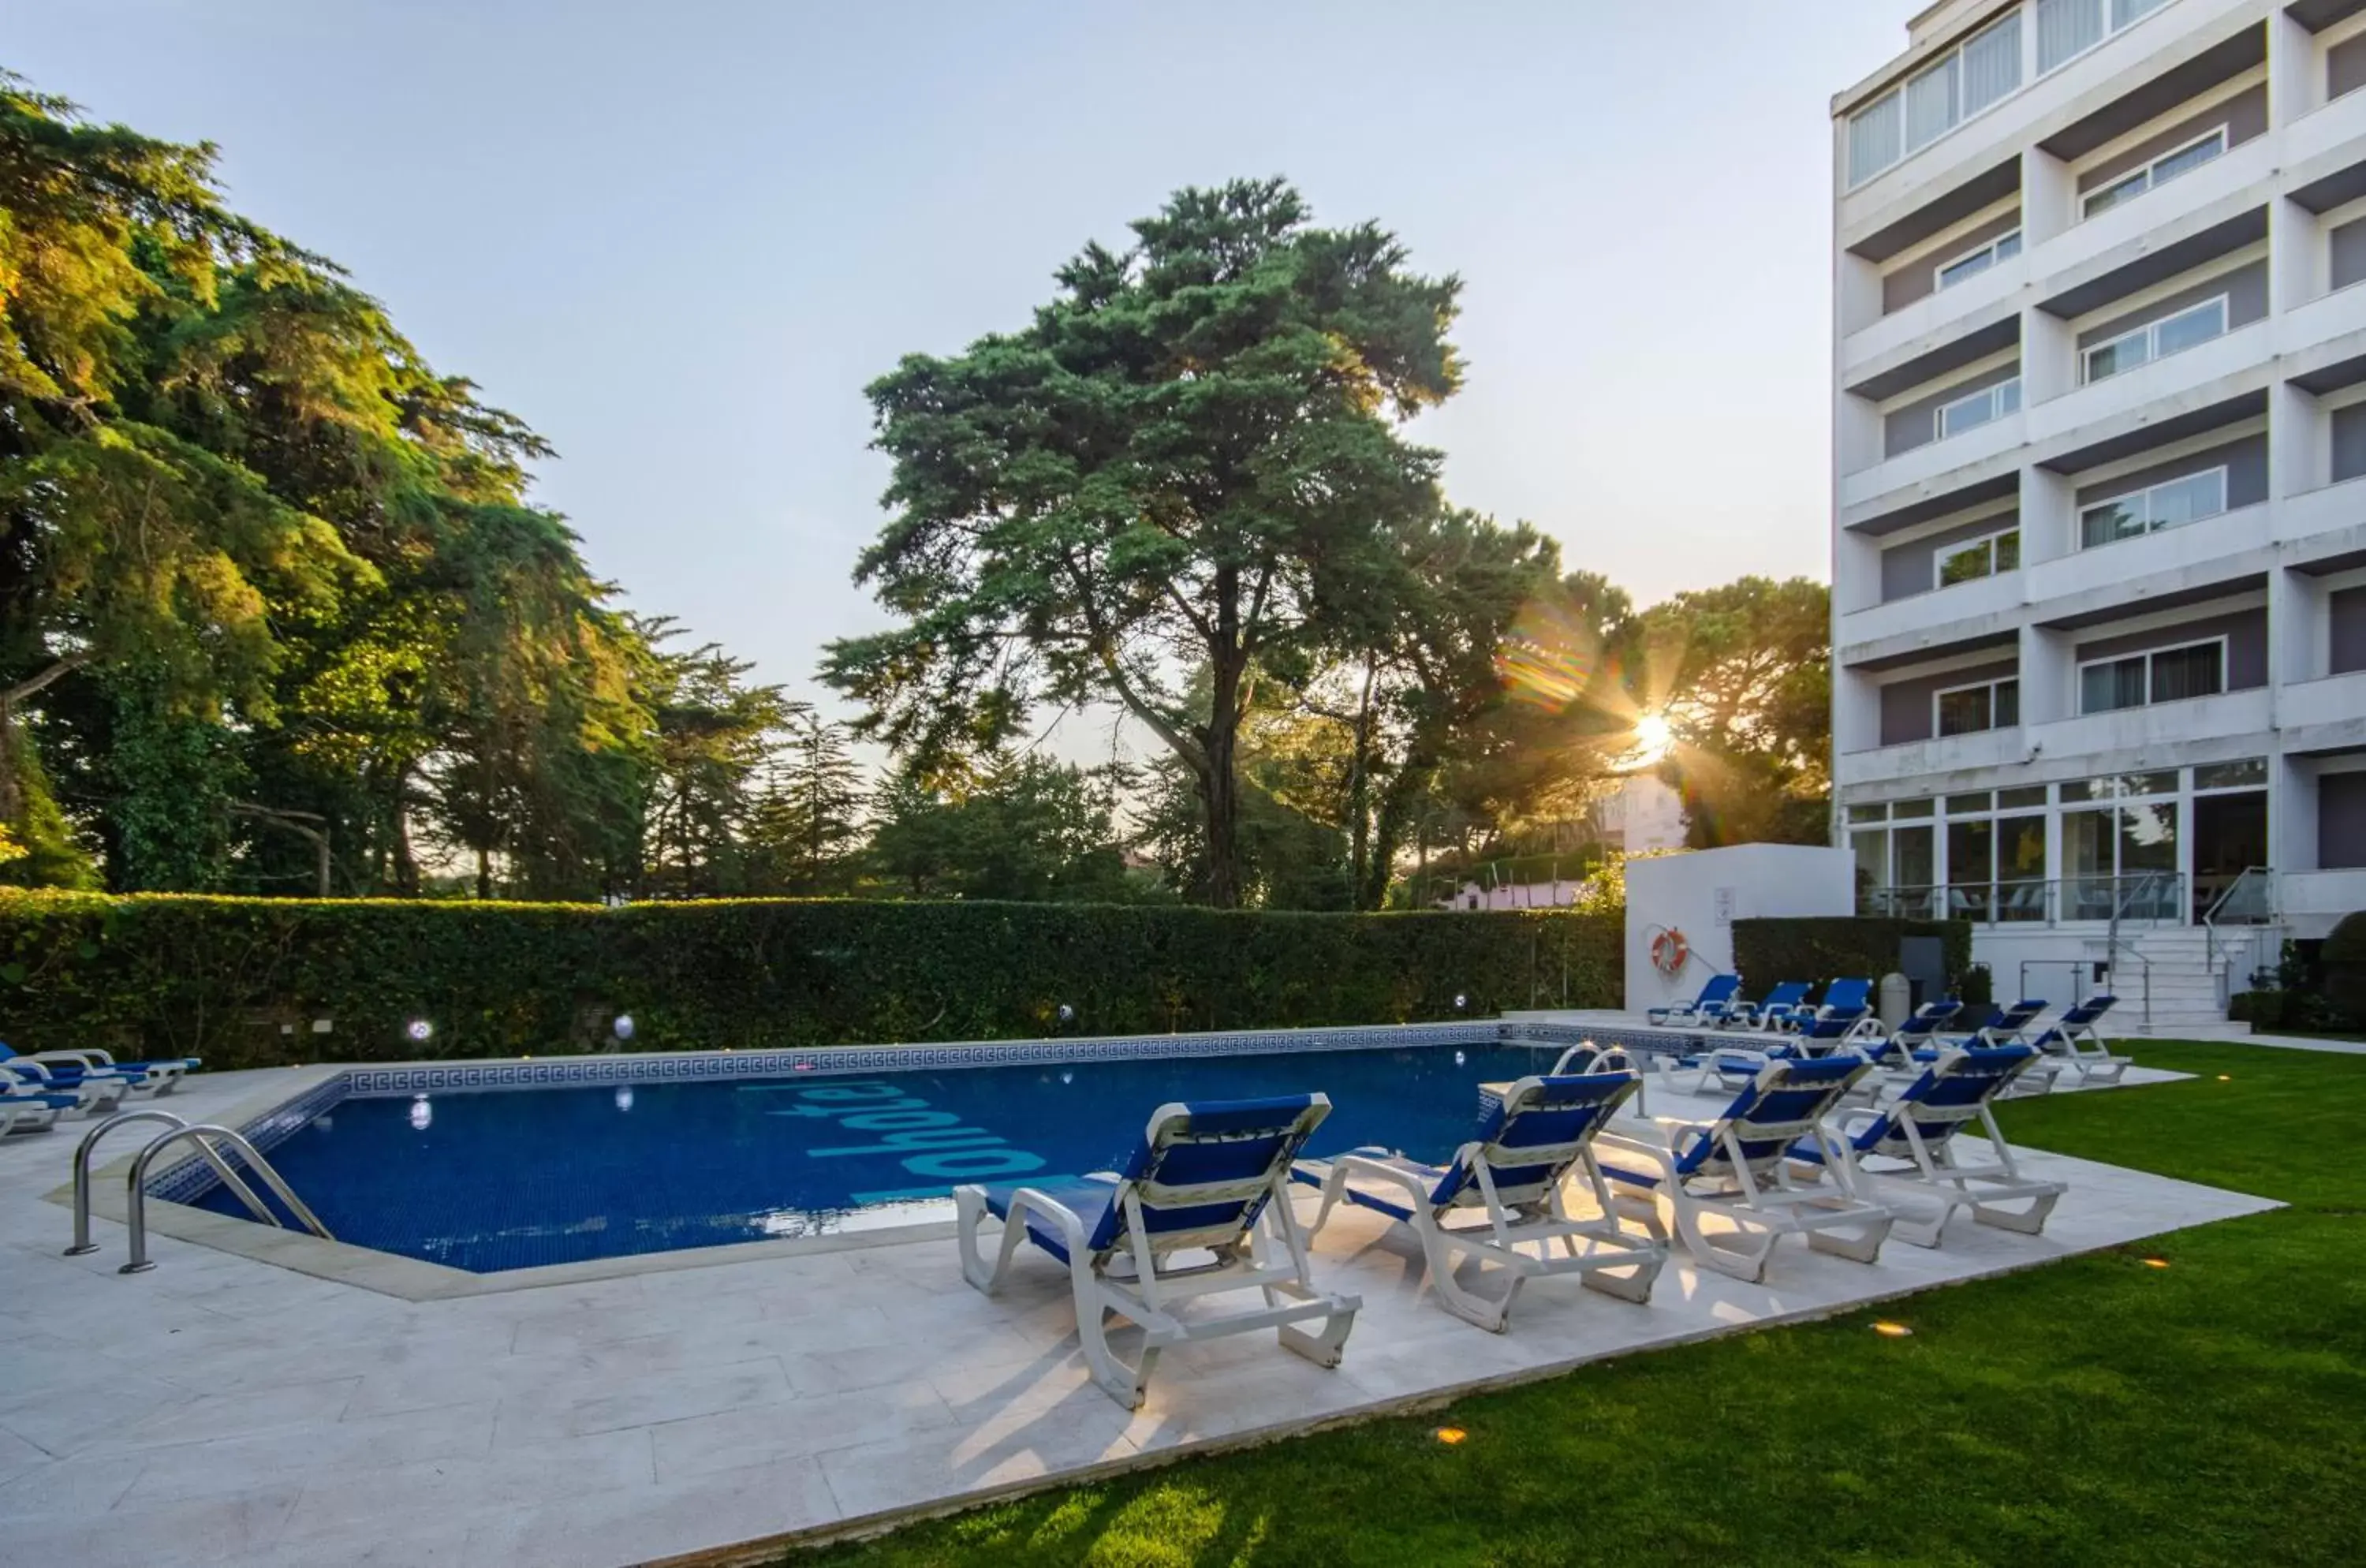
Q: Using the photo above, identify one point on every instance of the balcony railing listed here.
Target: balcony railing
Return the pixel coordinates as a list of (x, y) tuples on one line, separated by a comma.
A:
[(2144, 897)]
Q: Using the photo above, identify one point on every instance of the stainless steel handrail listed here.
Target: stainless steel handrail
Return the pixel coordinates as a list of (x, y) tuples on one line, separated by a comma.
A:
[(136, 1194), (82, 1241), (2077, 967), (2212, 939)]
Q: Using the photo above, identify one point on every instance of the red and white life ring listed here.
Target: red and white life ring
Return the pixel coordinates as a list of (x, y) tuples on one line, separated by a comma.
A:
[(1669, 951)]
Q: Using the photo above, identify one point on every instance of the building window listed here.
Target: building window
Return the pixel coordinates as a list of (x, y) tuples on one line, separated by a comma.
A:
[(1983, 407), (2188, 328), (2004, 247), (1975, 559), (2159, 172), (2067, 29), (1967, 710), (2164, 675), (1936, 99), (2170, 504)]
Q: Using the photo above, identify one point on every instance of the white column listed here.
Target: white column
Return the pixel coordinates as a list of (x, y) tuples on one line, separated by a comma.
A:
[(1856, 285), (2300, 445), (1856, 432), (1857, 712), (2049, 356), (2299, 259), (2300, 628), (1856, 571), (2048, 196), (2045, 676), (2296, 75), (2048, 505)]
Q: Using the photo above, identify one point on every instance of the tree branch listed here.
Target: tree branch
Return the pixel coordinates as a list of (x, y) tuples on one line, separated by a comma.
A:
[(35, 684)]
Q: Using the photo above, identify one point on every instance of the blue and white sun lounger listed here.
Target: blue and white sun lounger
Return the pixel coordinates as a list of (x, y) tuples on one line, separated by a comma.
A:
[(1534, 1138), (1785, 1006), (2004, 1025), (1738, 1168), (1845, 1021), (137, 1080), (1712, 1006), (1906, 1152), (1208, 1182), (89, 1092), (26, 1107), (2073, 1041)]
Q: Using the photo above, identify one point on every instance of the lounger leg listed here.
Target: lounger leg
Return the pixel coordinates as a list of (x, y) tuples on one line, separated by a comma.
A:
[(970, 1212), (1630, 1282), (1860, 1242), (1441, 1253), (1127, 1385), (1744, 1261), (1323, 1346), (2028, 1221)]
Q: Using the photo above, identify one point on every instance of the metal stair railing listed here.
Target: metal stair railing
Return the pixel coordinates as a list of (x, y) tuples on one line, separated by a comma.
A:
[(205, 1135)]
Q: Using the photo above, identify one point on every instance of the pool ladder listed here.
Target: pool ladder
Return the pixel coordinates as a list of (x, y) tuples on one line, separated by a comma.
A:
[(209, 1141)]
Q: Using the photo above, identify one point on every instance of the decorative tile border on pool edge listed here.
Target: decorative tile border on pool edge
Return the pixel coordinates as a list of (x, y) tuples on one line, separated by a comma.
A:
[(192, 1178)]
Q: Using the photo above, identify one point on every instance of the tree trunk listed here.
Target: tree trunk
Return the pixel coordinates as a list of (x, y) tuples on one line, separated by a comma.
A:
[(484, 873), (12, 804), (1220, 783)]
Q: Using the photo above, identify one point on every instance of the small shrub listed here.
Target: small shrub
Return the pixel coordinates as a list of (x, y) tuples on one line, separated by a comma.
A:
[(2343, 958)]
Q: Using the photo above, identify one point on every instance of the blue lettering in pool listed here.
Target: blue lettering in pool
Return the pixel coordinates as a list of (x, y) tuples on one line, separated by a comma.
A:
[(925, 1142)]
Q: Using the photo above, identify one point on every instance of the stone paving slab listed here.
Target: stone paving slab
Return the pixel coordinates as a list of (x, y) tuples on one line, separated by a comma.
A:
[(222, 1408)]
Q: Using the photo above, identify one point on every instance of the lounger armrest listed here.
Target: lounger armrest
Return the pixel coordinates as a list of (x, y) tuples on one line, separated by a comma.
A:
[(1855, 1119), (1611, 1140), (1065, 1219), (1354, 1166)]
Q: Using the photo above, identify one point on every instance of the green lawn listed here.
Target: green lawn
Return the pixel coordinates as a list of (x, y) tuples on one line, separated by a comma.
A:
[(2098, 1410)]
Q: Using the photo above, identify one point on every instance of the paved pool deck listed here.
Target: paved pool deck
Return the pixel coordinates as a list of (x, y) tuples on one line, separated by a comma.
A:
[(221, 1408)]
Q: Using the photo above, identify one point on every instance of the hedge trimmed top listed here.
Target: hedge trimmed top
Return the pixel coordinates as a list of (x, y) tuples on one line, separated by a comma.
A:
[(241, 981)]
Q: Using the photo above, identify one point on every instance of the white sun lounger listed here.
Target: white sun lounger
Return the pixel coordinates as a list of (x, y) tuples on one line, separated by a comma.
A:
[(1201, 1208), (1534, 1138), (1907, 1152), (1737, 1168)]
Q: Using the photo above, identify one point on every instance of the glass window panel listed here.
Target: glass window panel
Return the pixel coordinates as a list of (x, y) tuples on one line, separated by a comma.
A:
[(2180, 672), (2006, 707), (1971, 866), (2187, 328), (1964, 805), (2033, 795), (2008, 396), (2187, 159), (1873, 138), (2088, 840), (1965, 563), (2118, 683), (1931, 103), (2090, 789), (2249, 772), (1964, 712), (1911, 808), (2109, 523), (1911, 862), (2148, 836), (2020, 849), (1992, 64), (1872, 857), (2119, 355), (1868, 813), (1970, 267), (2187, 500), (2118, 192), (2064, 27), (2009, 247), (2162, 783), (2126, 11), (2008, 551)]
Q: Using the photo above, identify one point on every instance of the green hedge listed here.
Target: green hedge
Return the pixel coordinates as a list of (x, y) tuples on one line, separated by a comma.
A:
[(240, 981), (1822, 948)]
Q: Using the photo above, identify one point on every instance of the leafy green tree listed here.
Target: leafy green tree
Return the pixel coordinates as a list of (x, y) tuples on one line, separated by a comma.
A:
[(1747, 671), (807, 825), (1024, 828), (1190, 460), (715, 737)]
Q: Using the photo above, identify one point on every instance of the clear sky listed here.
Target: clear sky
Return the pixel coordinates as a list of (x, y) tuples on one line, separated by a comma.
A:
[(678, 237)]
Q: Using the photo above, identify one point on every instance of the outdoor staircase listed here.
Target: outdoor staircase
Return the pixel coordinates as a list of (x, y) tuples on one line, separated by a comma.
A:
[(2185, 983)]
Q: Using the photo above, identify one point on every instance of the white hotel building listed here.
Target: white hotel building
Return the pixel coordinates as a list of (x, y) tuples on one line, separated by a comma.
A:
[(2099, 528)]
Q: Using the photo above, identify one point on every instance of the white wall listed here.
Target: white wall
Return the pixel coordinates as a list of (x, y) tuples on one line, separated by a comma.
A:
[(1703, 892)]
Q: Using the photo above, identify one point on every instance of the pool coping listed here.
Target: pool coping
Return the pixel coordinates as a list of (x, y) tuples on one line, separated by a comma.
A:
[(270, 1116)]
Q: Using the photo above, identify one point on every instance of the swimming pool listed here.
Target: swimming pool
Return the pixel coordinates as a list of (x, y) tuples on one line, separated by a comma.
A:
[(492, 1179)]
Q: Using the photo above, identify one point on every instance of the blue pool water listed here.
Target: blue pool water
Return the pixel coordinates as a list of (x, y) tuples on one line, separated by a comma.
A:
[(487, 1182)]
